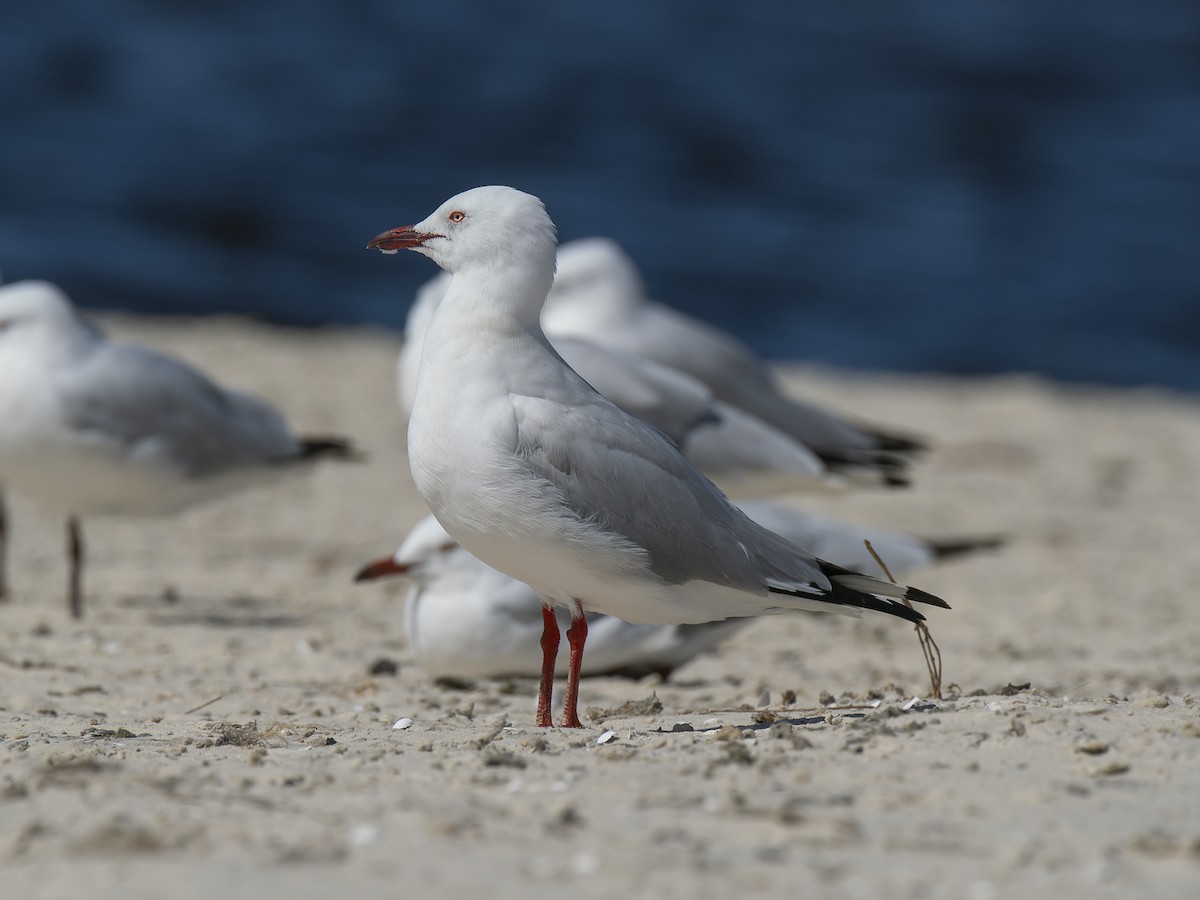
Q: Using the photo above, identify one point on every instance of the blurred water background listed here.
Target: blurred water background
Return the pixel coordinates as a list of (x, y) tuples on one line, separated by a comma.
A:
[(962, 187)]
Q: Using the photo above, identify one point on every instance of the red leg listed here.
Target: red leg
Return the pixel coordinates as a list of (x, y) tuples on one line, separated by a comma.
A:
[(576, 638), (549, 655)]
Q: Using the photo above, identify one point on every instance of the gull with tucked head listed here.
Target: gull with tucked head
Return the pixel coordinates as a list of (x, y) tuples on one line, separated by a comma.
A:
[(463, 619)]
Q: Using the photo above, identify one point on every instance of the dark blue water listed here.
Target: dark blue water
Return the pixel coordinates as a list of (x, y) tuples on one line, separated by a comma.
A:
[(956, 186)]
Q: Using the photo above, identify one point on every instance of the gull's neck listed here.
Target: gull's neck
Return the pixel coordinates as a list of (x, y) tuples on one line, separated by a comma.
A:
[(507, 296), (488, 324)]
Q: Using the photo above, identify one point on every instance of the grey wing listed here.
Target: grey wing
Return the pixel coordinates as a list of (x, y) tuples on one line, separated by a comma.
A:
[(660, 396), (626, 479), (723, 363), (739, 444), (165, 412)]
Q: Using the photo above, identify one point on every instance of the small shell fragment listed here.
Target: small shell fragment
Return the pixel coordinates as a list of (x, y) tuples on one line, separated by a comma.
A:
[(609, 735), (403, 723)]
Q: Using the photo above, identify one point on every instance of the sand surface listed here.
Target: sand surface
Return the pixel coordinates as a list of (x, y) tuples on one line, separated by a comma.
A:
[(213, 727)]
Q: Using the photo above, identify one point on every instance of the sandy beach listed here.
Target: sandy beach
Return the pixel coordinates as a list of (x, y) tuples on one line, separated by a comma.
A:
[(220, 723)]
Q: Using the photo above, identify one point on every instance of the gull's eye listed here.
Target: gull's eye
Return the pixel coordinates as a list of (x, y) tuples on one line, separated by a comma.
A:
[(457, 216)]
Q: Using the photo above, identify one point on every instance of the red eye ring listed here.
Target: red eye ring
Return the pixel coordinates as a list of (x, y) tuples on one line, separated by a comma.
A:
[(457, 216)]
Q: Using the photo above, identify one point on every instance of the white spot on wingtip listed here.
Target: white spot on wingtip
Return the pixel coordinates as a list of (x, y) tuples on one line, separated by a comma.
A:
[(389, 252)]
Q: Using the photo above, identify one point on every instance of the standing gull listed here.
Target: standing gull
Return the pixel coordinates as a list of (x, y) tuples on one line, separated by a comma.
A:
[(94, 427), (540, 477)]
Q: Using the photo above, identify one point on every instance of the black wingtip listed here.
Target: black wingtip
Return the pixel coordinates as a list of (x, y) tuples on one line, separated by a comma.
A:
[(948, 549), (916, 595), (329, 447), (898, 443), (892, 608), (843, 595), (890, 468), (854, 599)]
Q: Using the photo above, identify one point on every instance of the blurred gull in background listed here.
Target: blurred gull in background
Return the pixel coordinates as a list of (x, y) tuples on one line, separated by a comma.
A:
[(464, 619), (93, 427), (598, 295)]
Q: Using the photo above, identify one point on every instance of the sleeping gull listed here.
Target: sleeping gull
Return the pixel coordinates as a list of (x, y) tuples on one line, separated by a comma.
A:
[(463, 619), (598, 295), (536, 474), (93, 427)]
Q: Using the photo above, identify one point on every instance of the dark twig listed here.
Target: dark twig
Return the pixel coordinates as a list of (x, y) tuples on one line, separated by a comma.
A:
[(929, 647), (204, 704)]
